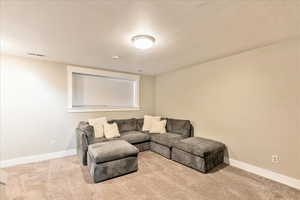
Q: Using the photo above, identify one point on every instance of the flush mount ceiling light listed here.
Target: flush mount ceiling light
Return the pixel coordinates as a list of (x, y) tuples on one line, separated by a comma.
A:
[(36, 54), (143, 41), (115, 57)]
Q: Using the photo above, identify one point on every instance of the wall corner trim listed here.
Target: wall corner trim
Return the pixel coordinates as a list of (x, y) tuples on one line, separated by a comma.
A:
[(292, 182), (37, 158)]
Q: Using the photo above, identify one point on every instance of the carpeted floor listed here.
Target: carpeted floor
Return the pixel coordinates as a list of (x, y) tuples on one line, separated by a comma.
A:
[(157, 178)]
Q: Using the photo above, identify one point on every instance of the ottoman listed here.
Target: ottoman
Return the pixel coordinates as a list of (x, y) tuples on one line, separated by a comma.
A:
[(198, 153), (111, 159)]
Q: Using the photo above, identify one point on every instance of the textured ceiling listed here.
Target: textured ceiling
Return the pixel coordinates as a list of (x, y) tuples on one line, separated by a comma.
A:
[(89, 33)]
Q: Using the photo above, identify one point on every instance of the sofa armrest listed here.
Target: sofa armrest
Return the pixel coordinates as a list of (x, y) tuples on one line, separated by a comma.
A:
[(192, 131), (82, 140), (82, 145)]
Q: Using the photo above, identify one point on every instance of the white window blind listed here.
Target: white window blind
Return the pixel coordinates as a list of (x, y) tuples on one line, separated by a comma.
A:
[(94, 90), (89, 90)]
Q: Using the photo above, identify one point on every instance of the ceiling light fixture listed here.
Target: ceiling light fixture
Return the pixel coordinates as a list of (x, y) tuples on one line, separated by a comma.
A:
[(35, 54), (143, 41), (115, 57)]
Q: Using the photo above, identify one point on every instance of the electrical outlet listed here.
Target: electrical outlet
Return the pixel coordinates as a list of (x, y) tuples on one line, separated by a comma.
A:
[(275, 159)]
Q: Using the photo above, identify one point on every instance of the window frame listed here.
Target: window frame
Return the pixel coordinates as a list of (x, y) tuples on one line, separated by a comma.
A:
[(98, 72)]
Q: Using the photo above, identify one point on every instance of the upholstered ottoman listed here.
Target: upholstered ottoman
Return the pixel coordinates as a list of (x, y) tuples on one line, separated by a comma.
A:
[(198, 153), (111, 159)]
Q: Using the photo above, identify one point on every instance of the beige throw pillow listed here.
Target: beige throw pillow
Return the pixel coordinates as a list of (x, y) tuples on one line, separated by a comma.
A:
[(98, 126), (158, 126), (148, 122), (111, 130)]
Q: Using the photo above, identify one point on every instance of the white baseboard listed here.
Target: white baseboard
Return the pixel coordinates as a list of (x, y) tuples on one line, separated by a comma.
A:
[(37, 158), (292, 182)]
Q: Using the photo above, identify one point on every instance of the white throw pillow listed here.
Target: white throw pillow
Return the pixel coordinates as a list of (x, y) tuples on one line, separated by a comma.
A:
[(148, 122), (111, 130), (98, 126), (158, 126)]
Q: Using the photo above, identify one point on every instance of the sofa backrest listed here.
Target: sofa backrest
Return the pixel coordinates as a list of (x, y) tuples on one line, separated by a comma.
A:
[(182, 127), (125, 125)]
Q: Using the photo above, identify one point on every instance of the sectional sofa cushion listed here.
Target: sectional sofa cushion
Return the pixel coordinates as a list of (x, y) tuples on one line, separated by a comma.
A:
[(111, 150), (182, 127), (126, 124), (134, 137), (166, 139), (94, 140), (158, 126), (199, 146), (148, 122), (111, 130), (98, 123), (140, 124)]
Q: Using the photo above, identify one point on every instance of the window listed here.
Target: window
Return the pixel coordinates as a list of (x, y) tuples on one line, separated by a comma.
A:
[(97, 90)]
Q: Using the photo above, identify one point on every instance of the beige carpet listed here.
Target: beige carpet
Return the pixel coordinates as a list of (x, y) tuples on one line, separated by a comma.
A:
[(157, 178)]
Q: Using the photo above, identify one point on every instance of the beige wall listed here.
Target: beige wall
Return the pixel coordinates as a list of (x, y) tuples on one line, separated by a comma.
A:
[(250, 101), (34, 107)]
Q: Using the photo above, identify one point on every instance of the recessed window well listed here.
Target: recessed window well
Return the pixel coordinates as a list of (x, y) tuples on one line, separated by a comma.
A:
[(91, 90)]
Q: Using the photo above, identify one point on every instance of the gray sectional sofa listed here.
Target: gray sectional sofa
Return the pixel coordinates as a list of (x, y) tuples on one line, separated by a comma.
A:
[(131, 131), (109, 158)]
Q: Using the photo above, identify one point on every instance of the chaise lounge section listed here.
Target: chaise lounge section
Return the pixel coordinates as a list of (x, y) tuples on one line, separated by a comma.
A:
[(198, 153), (176, 131)]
